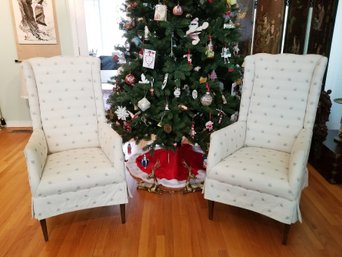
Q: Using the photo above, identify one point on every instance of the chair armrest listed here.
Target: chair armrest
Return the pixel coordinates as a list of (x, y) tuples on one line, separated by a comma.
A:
[(298, 160), (111, 144), (35, 153), (225, 141)]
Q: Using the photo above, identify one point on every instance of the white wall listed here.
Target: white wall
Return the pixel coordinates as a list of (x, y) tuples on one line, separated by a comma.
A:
[(334, 75), (15, 109)]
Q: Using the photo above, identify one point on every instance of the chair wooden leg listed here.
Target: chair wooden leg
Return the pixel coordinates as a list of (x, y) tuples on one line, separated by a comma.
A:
[(286, 233), (210, 209), (123, 214), (44, 229)]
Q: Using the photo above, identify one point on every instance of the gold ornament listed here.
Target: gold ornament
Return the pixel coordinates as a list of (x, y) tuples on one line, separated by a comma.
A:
[(167, 128), (203, 80)]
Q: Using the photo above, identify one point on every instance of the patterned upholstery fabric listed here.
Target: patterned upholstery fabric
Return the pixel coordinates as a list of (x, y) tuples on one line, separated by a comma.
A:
[(74, 159), (259, 162)]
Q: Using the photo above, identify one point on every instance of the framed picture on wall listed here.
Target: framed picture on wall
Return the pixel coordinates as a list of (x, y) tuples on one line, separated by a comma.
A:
[(34, 21)]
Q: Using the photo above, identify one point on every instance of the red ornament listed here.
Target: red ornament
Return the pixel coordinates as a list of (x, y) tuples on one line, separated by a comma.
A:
[(130, 79), (132, 5), (141, 53), (129, 148), (210, 1), (127, 126), (177, 10)]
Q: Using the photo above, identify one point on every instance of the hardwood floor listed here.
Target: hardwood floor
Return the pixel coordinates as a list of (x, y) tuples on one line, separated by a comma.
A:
[(173, 225)]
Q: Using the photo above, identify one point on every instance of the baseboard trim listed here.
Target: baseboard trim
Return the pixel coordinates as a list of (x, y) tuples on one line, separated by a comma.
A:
[(18, 123)]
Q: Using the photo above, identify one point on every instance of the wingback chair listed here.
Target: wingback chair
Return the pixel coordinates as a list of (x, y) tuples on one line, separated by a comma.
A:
[(259, 162), (74, 159)]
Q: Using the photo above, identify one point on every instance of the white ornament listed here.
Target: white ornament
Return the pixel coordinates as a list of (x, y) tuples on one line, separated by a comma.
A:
[(206, 99), (144, 104), (149, 58), (229, 25), (226, 54), (194, 94), (165, 80), (177, 92), (194, 30), (143, 80), (122, 112), (146, 33), (160, 12)]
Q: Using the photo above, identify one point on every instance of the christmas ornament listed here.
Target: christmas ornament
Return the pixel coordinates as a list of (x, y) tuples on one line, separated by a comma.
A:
[(129, 148), (231, 68), (203, 80), (152, 90), (220, 114), (183, 107), (234, 116), (213, 75), (197, 68), (194, 30), (210, 49), (177, 10), (129, 24), (210, 1), (209, 125), (188, 57), (130, 79), (141, 53), (127, 126), (177, 92), (172, 55), (224, 100), (149, 58), (160, 12), (143, 79), (122, 112), (132, 5), (144, 104), (231, 2), (192, 130), (236, 49), (194, 94), (206, 99), (146, 33), (165, 80), (225, 54), (229, 25), (167, 128), (167, 107), (144, 161), (136, 41)]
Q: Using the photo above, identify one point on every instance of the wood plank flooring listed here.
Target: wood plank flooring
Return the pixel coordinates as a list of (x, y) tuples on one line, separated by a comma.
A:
[(170, 225)]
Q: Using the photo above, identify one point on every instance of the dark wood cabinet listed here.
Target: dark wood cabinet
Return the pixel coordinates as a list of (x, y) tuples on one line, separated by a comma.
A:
[(327, 158)]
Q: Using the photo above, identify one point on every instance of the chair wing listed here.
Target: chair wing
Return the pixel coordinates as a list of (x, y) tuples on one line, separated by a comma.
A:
[(74, 159), (265, 170)]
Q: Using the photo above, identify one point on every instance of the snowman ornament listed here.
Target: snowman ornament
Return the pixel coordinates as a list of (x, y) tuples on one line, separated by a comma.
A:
[(194, 30)]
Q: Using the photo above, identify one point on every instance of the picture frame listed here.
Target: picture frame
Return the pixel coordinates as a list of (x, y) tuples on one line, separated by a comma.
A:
[(34, 22)]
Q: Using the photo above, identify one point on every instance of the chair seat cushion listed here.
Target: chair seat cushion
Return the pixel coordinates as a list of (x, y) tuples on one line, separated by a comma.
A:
[(77, 169), (254, 168)]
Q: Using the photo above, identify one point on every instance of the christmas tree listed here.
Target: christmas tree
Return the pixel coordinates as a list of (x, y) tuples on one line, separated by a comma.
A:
[(182, 73)]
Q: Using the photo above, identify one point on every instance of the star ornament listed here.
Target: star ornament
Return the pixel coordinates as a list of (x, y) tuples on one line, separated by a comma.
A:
[(122, 113)]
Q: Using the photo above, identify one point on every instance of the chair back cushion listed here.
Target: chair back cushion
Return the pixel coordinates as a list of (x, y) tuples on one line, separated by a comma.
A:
[(280, 97), (66, 96)]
